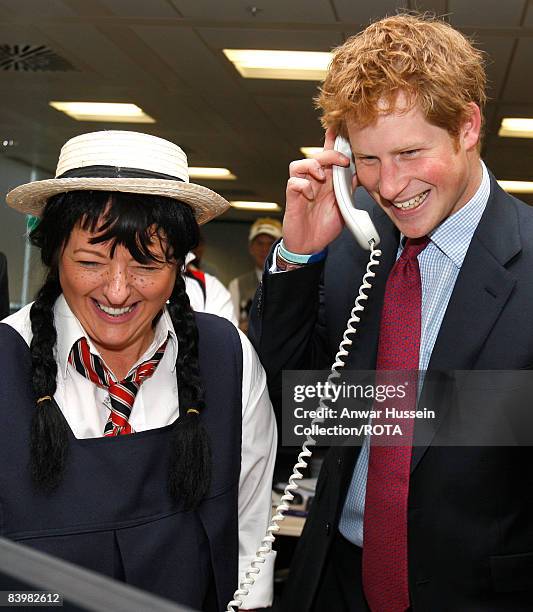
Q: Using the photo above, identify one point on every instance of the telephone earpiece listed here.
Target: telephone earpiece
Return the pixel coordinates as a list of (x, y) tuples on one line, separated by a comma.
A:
[(358, 221)]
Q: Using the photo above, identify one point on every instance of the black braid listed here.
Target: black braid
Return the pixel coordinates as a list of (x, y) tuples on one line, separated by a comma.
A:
[(49, 437), (190, 459)]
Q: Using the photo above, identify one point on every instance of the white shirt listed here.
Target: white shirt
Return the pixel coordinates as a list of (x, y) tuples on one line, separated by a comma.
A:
[(84, 406), (235, 291), (217, 297)]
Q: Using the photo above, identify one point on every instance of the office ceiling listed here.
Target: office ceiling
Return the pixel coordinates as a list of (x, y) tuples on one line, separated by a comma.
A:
[(166, 56)]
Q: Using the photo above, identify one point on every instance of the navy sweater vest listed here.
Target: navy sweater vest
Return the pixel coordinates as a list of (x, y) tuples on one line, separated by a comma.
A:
[(128, 527)]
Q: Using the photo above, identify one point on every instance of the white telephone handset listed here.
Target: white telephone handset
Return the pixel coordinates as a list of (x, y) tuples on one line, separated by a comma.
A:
[(358, 221)]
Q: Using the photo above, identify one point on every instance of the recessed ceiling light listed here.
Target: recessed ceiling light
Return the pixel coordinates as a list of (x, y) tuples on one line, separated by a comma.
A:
[(217, 174), (294, 65), (516, 127), (310, 151), (103, 111), (517, 186), (259, 206)]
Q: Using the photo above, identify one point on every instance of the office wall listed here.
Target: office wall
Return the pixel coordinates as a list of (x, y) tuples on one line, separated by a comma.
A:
[(13, 229), (227, 248)]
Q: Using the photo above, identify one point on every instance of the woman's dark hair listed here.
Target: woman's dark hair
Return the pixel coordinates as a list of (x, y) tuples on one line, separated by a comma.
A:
[(129, 220)]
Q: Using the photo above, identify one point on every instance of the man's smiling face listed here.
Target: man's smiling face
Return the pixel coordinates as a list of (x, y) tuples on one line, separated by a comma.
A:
[(416, 171)]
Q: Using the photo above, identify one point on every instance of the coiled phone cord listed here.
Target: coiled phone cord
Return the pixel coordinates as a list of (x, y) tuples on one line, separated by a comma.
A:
[(265, 548)]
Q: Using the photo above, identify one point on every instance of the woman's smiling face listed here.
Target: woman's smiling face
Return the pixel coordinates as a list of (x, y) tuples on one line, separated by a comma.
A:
[(115, 297)]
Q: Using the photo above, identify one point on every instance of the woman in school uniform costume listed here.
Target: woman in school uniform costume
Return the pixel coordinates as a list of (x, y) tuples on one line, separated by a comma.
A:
[(136, 438)]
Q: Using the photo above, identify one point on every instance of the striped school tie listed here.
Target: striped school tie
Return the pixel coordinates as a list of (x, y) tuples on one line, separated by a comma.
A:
[(122, 393)]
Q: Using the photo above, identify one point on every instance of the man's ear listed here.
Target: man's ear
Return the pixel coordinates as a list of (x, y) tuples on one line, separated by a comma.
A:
[(470, 130)]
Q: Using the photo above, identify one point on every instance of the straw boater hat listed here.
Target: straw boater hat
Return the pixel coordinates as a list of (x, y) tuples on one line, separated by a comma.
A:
[(120, 161)]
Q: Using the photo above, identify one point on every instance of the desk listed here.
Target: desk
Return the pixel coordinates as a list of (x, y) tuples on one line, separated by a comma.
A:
[(290, 526)]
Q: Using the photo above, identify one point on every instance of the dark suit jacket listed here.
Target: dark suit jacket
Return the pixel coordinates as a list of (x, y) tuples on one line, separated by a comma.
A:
[(4, 289), (470, 514)]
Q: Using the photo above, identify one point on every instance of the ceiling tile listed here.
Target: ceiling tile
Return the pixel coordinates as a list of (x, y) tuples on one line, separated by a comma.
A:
[(499, 51), (365, 12), (509, 158), (519, 87), (296, 117), (495, 13), (31, 8), (437, 7), (294, 40), (16, 34), (114, 54), (528, 21), (189, 57), (272, 11), (141, 8)]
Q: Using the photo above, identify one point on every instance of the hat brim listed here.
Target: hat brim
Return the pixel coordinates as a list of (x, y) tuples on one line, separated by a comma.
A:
[(32, 197)]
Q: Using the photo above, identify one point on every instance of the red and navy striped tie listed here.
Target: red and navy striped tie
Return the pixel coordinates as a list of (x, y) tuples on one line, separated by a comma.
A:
[(121, 393)]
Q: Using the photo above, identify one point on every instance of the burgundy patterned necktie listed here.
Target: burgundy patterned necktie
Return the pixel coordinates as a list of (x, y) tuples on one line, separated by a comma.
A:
[(385, 569), (121, 393)]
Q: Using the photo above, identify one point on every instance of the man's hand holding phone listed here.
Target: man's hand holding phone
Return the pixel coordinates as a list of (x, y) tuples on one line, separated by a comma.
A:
[(312, 219)]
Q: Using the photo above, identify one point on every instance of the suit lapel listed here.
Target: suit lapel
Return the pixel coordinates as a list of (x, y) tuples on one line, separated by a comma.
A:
[(480, 293)]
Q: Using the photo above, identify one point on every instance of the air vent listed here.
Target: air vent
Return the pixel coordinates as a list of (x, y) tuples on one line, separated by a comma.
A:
[(32, 58)]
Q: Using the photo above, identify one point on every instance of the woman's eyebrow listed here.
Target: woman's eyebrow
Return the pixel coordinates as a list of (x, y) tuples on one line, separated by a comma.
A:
[(89, 251)]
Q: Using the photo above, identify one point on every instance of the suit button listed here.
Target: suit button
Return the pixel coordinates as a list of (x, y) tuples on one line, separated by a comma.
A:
[(328, 528), (339, 461)]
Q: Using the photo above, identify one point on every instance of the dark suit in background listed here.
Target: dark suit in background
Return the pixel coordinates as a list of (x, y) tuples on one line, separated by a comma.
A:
[(470, 510), (4, 288)]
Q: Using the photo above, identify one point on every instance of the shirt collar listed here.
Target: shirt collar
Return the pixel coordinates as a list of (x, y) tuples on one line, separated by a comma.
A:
[(454, 234), (69, 330)]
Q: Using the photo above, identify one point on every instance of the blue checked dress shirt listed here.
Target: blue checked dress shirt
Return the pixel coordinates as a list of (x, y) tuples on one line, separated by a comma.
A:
[(440, 263)]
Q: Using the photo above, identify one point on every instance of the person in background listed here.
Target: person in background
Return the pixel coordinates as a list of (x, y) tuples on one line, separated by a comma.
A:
[(206, 293), (263, 233), (200, 262), (418, 526), (137, 438), (4, 287)]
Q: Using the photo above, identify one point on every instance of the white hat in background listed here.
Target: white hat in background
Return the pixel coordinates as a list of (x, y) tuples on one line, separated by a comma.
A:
[(265, 225)]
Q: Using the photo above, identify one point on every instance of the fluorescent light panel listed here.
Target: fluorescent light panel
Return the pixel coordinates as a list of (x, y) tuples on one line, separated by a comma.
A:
[(292, 65), (310, 151), (103, 111), (217, 174), (259, 206), (517, 186), (516, 127)]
